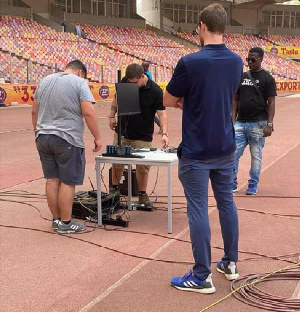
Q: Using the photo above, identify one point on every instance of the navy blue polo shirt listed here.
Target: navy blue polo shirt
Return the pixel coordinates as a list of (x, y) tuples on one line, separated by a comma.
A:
[(208, 81)]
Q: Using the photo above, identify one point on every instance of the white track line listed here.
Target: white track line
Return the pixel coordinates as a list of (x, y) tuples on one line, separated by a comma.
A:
[(296, 294), (109, 290)]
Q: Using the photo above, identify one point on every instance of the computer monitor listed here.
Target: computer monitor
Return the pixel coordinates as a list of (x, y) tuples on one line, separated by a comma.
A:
[(127, 96)]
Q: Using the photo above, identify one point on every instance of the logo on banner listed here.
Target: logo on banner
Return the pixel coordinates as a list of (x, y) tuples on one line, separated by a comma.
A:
[(2, 95), (104, 92), (274, 50)]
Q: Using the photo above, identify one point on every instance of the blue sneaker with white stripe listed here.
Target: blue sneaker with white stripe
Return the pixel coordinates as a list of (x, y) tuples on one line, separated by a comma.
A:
[(190, 282)]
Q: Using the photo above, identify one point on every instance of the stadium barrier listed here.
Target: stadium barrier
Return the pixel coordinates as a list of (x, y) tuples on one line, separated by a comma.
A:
[(11, 94)]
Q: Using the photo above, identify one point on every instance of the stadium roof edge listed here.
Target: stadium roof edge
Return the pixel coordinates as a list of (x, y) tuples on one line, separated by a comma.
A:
[(256, 3)]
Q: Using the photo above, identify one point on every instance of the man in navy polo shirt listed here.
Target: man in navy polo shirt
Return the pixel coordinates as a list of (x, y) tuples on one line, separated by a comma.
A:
[(203, 86)]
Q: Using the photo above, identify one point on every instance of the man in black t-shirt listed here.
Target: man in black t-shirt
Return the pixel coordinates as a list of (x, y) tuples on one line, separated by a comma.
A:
[(253, 110), (137, 130)]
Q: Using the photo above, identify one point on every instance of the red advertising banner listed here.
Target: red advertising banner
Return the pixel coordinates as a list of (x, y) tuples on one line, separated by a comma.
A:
[(23, 93)]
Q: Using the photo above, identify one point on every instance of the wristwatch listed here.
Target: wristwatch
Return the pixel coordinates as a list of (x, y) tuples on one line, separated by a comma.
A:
[(270, 124)]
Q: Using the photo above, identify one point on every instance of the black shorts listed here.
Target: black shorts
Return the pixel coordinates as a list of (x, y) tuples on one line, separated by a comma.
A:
[(61, 159)]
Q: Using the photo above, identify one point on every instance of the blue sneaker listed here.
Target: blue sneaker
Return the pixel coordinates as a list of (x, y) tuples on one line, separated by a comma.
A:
[(228, 269), (234, 188), (252, 189), (190, 282)]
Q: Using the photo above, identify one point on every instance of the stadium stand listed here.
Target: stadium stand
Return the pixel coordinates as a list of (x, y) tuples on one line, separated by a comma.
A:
[(107, 48), (292, 41)]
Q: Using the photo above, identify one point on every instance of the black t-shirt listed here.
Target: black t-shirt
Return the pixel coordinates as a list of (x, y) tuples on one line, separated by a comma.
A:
[(251, 107), (141, 126)]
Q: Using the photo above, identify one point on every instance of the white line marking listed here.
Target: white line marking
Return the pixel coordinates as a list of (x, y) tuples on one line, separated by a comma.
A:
[(296, 294), (109, 290)]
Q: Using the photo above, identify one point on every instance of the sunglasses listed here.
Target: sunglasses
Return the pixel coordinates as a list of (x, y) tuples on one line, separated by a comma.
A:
[(195, 30), (251, 59)]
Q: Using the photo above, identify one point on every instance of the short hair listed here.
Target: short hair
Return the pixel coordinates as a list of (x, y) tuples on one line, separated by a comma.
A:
[(134, 71), (257, 50), (214, 17), (77, 65)]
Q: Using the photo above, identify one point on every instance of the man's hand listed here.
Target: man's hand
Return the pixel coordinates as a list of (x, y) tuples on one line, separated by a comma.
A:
[(267, 131), (165, 141), (112, 123), (98, 145)]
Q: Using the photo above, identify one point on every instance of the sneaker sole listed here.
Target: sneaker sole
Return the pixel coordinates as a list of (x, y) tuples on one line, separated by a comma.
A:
[(229, 277), (199, 290), (234, 191), (70, 231), (251, 193)]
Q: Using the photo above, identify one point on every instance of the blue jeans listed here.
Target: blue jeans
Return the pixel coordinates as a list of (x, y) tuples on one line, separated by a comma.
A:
[(194, 176), (249, 133)]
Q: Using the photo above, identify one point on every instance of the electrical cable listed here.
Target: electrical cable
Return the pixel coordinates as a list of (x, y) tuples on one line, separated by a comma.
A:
[(262, 299), (288, 216), (246, 293), (154, 187), (278, 257), (102, 178), (98, 245), (106, 247), (294, 302), (144, 233), (252, 295)]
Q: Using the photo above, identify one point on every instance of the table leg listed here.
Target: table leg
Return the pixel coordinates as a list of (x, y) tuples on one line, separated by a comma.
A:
[(129, 201), (169, 200)]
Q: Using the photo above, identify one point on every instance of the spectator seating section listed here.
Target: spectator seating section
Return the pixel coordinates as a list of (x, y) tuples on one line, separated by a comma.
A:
[(290, 41), (107, 48)]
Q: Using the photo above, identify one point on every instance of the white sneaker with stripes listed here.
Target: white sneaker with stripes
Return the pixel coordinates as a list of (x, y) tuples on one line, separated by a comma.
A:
[(72, 227)]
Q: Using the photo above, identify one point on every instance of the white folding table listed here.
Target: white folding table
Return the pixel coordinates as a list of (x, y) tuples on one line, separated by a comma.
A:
[(152, 158)]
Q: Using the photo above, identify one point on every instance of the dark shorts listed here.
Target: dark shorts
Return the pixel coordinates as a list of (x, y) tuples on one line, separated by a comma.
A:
[(60, 159)]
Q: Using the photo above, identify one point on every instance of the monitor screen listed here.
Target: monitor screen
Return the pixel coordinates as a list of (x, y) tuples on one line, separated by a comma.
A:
[(127, 96)]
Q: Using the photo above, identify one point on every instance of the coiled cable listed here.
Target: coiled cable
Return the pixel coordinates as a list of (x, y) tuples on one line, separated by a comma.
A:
[(245, 289)]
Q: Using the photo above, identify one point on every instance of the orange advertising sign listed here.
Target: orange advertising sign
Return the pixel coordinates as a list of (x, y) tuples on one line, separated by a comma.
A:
[(20, 93), (288, 86), (23, 93), (284, 51)]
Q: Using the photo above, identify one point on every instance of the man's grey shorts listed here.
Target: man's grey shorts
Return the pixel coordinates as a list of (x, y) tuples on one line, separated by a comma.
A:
[(60, 159)]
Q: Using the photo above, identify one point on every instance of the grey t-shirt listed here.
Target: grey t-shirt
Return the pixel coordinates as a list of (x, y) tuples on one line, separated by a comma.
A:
[(59, 112)]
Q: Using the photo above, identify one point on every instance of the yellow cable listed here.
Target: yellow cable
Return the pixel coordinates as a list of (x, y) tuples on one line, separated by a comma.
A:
[(249, 284)]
